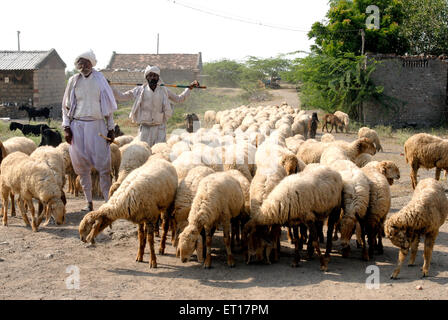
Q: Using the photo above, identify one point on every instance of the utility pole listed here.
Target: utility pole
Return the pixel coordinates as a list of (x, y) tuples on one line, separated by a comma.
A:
[(18, 40), (157, 43), (363, 37)]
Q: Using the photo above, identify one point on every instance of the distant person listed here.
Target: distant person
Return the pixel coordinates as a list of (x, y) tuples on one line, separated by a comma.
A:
[(87, 111), (152, 109)]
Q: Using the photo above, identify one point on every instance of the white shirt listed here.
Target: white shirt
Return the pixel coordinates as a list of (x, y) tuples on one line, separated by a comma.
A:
[(87, 94)]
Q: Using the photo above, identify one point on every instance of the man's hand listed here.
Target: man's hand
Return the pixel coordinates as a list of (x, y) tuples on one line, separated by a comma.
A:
[(111, 136), (194, 84), (68, 135)]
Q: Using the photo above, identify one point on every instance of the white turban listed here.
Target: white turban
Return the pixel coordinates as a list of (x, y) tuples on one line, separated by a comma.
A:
[(152, 69), (89, 55)]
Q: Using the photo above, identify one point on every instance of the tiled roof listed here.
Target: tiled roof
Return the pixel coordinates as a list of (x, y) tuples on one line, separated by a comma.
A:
[(23, 60), (173, 61)]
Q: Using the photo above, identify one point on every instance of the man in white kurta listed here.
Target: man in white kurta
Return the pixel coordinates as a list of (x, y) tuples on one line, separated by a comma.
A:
[(87, 111), (152, 108)]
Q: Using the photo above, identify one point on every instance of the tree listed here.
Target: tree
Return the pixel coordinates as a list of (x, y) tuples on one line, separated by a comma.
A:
[(340, 34), (426, 26), (270, 67), (223, 73)]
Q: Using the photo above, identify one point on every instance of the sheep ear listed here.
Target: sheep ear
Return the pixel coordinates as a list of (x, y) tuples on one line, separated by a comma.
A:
[(383, 169)]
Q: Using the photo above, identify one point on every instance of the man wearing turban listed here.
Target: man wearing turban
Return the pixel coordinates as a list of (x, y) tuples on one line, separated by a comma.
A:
[(152, 108), (87, 111)]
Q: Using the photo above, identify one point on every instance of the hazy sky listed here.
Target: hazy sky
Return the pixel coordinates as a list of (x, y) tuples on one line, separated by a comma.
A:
[(131, 26)]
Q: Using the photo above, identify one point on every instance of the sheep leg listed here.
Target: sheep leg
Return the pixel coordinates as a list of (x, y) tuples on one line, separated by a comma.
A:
[(290, 236), (371, 235), (150, 237), (23, 211), (336, 229), (414, 170), (303, 236), (276, 231), (297, 243), (13, 205), (227, 242), (332, 219), (361, 235), (141, 242), (165, 226), (379, 245), (414, 249), (41, 213), (5, 196), (401, 257), (320, 232), (427, 254), (34, 226), (315, 242), (208, 248)]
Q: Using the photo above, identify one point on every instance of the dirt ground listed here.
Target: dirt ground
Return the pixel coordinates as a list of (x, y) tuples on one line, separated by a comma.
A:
[(41, 265)]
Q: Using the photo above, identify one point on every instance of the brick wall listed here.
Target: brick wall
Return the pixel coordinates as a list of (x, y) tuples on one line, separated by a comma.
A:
[(50, 85), (418, 88), (19, 88)]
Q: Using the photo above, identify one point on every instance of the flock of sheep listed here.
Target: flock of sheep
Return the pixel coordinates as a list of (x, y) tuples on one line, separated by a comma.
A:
[(250, 171)]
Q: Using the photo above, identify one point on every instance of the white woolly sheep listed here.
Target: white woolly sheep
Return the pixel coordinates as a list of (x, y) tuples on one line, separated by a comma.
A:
[(30, 179), (219, 198), (123, 140), (422, 216), (372, 135), (21, 144), (344, 119), (142, 196)]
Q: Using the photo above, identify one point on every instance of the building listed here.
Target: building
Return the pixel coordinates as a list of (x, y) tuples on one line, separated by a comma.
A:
[(174, 68), (36, 77), (415, 92)]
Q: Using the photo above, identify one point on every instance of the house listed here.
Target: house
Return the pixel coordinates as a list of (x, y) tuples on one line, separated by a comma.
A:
[(33, 77), (415, 92), (174, 68)]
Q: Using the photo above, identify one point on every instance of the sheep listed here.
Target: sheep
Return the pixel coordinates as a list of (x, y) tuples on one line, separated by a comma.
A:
[(334, 121), (3, 152), (30, 179), (363, 159), (312, 125), (184, 197), (311, 150), (347, 151), (209, 117), (387, 168), (307, 197), (123, 140), (268, 154), (344, 119), (422, 216), (115, 160), (219, 198), (163, 149), (133, 155), (427, 151), (379, 205), (22, 144), (142, 196), (69, 171), (327, 137), (372, 135), (355, 200)]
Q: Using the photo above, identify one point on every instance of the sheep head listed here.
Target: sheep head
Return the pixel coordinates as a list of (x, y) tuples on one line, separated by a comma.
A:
[(290, 163), (365, 145), (91, 225), (56, 208), (188, 242), (398, 236), (389, 170)]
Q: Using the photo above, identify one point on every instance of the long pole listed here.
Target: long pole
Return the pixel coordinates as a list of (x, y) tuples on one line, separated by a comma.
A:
[(18, 40), (157, 43)]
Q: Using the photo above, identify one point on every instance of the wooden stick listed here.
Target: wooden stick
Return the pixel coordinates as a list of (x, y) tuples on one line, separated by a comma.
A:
[(107, 139), (162, 85)]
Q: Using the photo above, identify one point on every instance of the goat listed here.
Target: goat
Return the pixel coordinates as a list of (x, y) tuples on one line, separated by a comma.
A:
[(28, 129), (189, 121), (50, 138), (117, 131), (33, 112), (334, 121)]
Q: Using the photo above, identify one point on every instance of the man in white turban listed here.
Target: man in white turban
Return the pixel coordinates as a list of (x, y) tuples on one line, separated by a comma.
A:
[(87, 111), (152, 107)]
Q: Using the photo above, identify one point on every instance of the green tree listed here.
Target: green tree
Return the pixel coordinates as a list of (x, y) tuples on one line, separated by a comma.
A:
[(270, 67), (345, 19), (223, 73), (426, 26)]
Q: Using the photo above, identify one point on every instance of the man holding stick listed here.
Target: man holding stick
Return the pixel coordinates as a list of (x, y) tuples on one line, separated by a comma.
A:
[(87, 117), (152, 109)]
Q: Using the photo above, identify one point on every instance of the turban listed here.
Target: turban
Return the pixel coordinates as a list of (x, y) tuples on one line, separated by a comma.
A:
[(89, 55), (152, 69)]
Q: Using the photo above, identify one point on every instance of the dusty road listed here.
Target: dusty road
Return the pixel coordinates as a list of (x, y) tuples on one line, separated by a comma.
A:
[(42, 265)]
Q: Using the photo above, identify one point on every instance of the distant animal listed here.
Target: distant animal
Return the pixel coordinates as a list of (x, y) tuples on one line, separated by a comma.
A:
[(334, 121), (33, 112), (28, 129), (189, 121), (312, 125), (50, 138), (117, 130)]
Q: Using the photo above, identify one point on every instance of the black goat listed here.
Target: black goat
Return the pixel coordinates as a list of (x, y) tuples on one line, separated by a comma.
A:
[(28, 129), (117, 131), (312, 125), (33, 112), (190, 120), (50, 138)]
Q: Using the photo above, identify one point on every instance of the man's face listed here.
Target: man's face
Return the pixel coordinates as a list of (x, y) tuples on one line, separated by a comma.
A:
[(152, 78), (84, 66)]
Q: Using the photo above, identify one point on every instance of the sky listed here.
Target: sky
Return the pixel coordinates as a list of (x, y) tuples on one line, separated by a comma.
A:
[(131, 26)]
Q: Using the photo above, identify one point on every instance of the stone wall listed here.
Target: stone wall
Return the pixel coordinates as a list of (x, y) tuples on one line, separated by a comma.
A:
[(16, 86), (49, 89), (416, 91)]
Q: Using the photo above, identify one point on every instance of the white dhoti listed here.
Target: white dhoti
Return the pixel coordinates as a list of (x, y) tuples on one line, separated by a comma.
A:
[(152, 134), (88, 150)]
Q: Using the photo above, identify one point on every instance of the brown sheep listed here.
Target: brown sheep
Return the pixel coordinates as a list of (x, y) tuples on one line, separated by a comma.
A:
[(334, 121), (427, 151)]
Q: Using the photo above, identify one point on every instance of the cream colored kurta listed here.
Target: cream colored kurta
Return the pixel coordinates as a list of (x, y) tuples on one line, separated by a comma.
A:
[(87, 94)]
